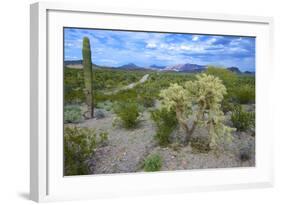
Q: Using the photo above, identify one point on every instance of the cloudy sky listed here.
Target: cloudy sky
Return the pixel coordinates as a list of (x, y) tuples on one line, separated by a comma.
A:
[(116, 48)]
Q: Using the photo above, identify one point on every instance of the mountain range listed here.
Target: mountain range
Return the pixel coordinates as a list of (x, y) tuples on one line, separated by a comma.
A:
[(186, 68), (130, 66)]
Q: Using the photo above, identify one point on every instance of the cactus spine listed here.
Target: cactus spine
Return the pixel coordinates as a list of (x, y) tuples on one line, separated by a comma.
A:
[(88, 77)]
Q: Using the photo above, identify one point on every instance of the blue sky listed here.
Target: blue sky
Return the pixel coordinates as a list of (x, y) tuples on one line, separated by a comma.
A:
[(116, 48)]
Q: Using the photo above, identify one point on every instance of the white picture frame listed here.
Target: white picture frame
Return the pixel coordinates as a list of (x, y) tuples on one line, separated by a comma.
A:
[(47, 182)]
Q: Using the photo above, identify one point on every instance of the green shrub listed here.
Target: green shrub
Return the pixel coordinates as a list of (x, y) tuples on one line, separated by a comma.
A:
[(153, 163), (128, 113), (242, 120), (245, 94), (79, 146), (106, 105), (227, 106), (99, 114), (146, 100), (165, 122), (103, 138), (72, 114), (73, 86), (229, 78)]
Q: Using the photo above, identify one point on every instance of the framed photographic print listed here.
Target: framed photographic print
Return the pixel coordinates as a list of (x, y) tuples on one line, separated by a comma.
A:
[(128, 101)]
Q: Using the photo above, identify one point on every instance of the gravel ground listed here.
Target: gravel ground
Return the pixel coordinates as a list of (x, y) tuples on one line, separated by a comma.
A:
[(127, 149), (185, 158)]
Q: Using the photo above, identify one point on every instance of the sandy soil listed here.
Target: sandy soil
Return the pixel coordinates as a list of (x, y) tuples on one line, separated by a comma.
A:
[(127, 149), (128, 87)]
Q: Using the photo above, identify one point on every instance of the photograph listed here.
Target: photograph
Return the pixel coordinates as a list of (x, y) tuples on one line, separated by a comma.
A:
[(151, 101)]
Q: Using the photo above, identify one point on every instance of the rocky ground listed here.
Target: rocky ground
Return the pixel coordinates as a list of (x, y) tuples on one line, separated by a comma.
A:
[(126, 149)]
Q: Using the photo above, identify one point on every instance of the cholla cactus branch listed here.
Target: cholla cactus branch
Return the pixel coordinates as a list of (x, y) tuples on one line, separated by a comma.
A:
[(199, 101)]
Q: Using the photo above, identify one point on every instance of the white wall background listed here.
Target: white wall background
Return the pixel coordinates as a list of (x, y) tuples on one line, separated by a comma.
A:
[(14, 101)]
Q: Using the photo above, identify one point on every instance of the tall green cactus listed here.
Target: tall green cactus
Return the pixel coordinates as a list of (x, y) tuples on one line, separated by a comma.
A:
[(88, 77)]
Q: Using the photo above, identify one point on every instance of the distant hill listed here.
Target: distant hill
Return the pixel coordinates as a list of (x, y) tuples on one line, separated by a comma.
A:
[(249, 73), (129, 66), (234, 69), (157, 66), (238, 71), (188, 67), (73, 62), (76, 64)]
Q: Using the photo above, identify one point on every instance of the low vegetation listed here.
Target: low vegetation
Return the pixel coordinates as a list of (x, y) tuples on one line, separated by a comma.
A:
[(177, 102), (72, 114), (153, 163), (79, 146), (245, 94), (128, 113), (242, 120), (165, 122)]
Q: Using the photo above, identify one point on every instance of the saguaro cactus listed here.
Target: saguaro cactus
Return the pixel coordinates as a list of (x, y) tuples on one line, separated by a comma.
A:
[(88, 77)]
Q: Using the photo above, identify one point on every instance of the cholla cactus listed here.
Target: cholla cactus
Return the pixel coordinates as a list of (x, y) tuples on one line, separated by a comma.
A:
[(198, 103), (88, 78)]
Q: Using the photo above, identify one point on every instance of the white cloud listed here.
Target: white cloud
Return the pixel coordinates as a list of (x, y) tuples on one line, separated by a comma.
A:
[(72, 57), (112, 48), (211, 41), (195, 38), (184, 47), (151, 45)]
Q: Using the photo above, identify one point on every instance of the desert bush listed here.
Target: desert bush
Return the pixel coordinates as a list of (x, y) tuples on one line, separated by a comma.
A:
[(79, 146), (72, 114), (242, 120), (146, 100), (103, 138), (73, 86), (128, 113), (165, 122), (147, 93), (106, 105), (245, 94), (227, 106), (99, 114), (153, 163), (229, 78), (73, 94), (120, 96), (199, 100)]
